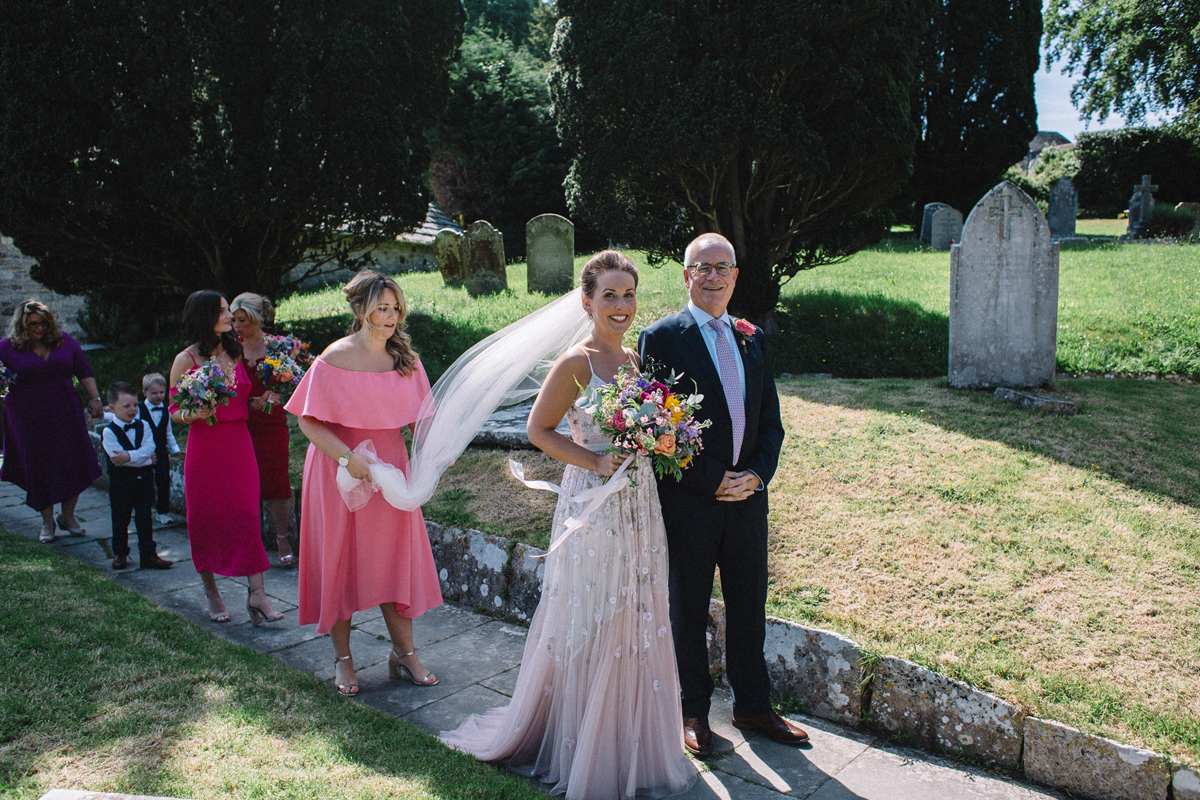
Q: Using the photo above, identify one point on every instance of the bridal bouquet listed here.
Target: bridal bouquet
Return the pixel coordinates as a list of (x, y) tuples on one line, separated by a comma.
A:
[(645, 416), (7, 379), (204, 388)]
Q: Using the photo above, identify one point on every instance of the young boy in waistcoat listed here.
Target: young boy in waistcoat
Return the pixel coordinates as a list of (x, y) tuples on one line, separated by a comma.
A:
[(154, 411), (129, 445)]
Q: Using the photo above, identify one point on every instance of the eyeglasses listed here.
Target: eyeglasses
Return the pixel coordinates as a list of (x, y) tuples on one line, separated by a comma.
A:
[(703, 269), (39, 323)]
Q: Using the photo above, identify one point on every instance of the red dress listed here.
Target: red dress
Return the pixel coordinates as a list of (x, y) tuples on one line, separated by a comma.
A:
[(269, 433), (220, 489), (379, 554)]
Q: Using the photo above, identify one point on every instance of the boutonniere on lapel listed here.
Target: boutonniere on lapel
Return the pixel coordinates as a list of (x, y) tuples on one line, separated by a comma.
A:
[(744, 331)]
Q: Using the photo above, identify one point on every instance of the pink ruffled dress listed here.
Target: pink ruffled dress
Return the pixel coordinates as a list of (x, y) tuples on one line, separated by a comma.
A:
[(357, 560)]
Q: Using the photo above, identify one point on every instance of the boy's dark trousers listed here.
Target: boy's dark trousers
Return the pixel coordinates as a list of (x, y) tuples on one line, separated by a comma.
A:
[(162, 466), (131, 494)]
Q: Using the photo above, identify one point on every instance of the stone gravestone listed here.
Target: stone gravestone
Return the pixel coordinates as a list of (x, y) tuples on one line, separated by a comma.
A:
[(1064, 203), (945, 228), (1193, 235), (550, 251), (1003, 295), (1140, 206), (487, 271), (448, 249), (927, 220)]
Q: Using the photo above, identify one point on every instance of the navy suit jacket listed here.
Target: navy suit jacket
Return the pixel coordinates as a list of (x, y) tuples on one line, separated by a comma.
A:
[(675, 342)]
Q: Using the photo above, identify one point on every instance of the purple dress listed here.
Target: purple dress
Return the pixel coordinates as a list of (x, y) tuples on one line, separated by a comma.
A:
[(47, 450)]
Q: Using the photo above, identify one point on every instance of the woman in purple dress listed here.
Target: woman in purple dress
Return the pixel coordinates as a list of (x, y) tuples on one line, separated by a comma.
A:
[(47, 450)]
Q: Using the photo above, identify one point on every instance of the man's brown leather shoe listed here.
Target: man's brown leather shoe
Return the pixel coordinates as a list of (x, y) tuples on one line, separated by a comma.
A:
[(697, 736), (120, 562), (773, 726), (155, 562)]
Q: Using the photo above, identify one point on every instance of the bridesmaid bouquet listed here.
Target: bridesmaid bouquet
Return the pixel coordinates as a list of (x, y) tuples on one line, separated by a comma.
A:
[(645, 416), (204, 388), (282, 369), (7, 379)]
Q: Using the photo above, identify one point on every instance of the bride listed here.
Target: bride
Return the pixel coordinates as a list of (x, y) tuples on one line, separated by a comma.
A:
[(596, 710)]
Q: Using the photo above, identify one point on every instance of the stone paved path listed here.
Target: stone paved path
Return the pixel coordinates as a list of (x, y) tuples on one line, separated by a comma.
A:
[(477, 659)]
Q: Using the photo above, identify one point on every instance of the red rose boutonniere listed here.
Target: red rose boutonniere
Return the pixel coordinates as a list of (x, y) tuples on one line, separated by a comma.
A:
[(744, 329)]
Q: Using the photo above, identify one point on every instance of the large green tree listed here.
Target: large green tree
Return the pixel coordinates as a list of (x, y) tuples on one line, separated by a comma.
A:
[(778, 124), (1132, 57), (496, 154), (162, 147), (975, 98)]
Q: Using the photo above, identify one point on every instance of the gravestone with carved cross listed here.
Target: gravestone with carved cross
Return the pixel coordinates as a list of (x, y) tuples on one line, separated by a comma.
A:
[(1140, 206), (1003, 295)]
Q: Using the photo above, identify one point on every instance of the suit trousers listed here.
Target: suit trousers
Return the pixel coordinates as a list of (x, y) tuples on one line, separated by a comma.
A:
[(703, 535), (131, 494)]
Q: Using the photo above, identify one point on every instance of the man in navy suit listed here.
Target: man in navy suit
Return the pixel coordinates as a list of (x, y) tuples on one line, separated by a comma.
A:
[(717, 515)]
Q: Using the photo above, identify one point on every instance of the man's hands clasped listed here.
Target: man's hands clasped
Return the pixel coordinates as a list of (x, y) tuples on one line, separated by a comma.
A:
[(737, 486)]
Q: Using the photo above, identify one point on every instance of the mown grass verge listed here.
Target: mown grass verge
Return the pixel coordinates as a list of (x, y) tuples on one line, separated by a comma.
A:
[(104, 692)]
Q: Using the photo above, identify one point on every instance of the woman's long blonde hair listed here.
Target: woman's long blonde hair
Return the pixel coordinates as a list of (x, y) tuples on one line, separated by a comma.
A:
[(20, 334), (363, 293)]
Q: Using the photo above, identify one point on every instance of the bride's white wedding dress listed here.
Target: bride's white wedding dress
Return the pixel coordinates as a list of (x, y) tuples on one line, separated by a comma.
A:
[(596, 710)]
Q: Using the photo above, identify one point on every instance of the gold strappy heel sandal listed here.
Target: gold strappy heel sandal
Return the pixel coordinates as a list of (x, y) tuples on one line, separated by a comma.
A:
[(346, 689), (397, 670)]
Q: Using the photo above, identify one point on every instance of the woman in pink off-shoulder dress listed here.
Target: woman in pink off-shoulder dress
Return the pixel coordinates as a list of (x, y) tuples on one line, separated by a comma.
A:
[(220, 475), (368, 385)]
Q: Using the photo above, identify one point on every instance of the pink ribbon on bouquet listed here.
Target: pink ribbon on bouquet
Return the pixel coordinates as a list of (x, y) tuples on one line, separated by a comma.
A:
[(594, 497)]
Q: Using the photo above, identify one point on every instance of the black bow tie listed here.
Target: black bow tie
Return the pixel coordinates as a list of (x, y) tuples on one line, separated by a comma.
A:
[(156, 408), (132, 426)]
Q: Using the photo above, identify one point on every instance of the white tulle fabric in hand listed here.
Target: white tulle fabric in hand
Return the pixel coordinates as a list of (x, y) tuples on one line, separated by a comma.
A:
[(505, 368)]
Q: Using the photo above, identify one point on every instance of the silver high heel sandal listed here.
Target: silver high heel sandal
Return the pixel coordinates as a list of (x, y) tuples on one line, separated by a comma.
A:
[(397, 670), (346, 689)]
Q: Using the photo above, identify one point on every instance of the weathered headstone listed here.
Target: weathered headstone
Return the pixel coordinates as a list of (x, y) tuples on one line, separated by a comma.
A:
[(487, 271), (1140, 206), (448, 249), (945, 228), (550, 251), (1003, 295), (927, 220), (1193, 235), (1064, 203)]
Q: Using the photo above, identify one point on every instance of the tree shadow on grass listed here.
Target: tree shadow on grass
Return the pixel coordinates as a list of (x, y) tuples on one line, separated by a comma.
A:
[(1138, 432), (859, 336), (109, 692)]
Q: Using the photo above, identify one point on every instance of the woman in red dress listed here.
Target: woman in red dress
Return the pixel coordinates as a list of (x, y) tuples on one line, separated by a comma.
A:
[(220, 475), (268, 429)]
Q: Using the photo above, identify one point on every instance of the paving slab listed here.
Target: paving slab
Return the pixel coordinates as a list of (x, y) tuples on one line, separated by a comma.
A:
[(315, 656), (189, 603), (90, 551), (453, 710), (157, 583), (890, 773), (434, 625), (505, 683), (459, 662), (272, 636), (717, 785)]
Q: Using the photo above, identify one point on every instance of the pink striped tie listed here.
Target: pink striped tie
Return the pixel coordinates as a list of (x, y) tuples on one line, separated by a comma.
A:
[(727, 364)]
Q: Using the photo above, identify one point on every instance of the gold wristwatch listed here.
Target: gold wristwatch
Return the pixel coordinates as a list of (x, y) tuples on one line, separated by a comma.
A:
[(344, 460)]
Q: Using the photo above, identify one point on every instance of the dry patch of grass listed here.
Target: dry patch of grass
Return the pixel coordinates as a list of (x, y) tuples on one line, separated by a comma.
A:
[(479, 492), (1051, 560)]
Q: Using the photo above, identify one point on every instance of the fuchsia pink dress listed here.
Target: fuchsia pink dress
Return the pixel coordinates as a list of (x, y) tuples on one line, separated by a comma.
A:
[(379, 554), (220, 489)]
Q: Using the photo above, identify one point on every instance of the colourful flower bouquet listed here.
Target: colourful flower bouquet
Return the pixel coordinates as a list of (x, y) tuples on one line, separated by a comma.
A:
[(204, 388), (644, 415), (281, 370), (7, 379)]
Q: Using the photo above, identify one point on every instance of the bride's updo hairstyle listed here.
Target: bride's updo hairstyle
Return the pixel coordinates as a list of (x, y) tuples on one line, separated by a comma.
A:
[(602, 262), (363, 293)]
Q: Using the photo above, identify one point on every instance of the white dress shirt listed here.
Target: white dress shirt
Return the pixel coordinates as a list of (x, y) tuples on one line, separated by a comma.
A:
[(161, 408), (141, 457)]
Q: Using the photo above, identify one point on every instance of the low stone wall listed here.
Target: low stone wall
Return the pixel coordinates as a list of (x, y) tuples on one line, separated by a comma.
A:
[(836, 680)]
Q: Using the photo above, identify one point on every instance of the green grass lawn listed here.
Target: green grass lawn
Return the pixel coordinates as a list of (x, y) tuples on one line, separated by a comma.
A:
[(104, 692)]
